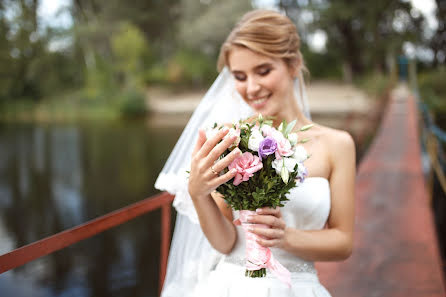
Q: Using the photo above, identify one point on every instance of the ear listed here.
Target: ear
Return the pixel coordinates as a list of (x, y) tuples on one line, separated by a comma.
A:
[(294, 67)]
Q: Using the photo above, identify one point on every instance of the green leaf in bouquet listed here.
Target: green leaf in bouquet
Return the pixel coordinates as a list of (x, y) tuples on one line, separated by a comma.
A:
[(281, 126), (289, 128), (306, 127)]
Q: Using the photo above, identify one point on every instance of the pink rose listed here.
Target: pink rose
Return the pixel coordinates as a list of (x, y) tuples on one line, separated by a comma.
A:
[(246, 165)]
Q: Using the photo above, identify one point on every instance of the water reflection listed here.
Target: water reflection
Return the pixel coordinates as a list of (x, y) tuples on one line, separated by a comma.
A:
[(53, 177)]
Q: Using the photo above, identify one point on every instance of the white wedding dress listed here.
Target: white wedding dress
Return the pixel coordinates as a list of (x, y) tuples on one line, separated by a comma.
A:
[(307, 209)]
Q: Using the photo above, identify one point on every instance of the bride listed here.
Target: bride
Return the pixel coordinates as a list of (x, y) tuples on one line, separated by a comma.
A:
[(261, 73)]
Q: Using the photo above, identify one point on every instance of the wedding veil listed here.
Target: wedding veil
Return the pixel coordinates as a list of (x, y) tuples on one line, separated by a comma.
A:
[(191, 256)]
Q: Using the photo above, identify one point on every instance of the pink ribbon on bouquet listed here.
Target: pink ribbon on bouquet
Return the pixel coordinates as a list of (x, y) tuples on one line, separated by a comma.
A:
[(257, 256)]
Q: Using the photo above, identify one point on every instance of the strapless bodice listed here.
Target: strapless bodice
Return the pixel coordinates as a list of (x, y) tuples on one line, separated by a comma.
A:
[(307, 209)]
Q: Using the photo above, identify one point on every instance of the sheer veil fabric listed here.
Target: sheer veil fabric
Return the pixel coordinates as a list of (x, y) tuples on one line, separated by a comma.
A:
[(191, 257)]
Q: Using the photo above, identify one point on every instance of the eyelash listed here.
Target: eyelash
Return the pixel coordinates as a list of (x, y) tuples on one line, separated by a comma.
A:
[(265, 72), (261, 73)]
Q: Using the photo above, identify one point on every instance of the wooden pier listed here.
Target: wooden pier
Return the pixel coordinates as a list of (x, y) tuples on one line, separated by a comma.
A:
[(395, 252)]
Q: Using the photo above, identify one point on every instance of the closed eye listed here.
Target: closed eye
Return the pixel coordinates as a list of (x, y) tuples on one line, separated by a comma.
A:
[(265, 71), (239, 76)]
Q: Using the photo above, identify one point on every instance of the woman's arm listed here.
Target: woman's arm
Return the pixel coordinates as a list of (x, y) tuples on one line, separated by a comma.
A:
[(203, 181), (336, 241)]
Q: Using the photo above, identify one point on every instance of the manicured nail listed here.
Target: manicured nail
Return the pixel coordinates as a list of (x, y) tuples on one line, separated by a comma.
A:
[(258, 210), (233, 170)]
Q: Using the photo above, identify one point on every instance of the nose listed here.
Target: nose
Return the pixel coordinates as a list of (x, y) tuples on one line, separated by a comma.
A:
[(252, 88)]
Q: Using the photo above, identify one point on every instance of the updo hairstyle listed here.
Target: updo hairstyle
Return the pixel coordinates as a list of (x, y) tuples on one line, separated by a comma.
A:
[(265, 32)]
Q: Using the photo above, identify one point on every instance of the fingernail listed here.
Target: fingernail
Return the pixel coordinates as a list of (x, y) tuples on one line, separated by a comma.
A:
[(250, 229), (225, 129), (249, 218), (233, 170), (258, 210)]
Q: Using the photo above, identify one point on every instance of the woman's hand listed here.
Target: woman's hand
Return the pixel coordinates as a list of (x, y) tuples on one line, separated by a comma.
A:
[(205, 171), (274, 236)]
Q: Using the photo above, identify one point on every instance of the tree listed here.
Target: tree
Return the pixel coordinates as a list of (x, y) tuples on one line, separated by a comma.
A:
[(364, 33), (438, 40), (205, 25)]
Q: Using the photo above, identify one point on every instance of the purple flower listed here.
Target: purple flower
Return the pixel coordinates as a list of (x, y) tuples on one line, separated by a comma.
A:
[(267, 147), (302, 172)]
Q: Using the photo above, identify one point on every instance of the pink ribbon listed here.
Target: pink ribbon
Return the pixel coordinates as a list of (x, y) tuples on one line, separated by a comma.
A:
[(257, 256)]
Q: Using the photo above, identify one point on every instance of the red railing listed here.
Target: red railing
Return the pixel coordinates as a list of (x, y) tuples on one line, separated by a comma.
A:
[(30, 252)]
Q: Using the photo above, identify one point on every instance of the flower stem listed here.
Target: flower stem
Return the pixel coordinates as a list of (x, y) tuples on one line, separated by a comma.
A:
[(256, 273)]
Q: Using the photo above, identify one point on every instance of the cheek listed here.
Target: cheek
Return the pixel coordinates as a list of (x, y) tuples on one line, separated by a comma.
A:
[(240, 87), (279, 84)]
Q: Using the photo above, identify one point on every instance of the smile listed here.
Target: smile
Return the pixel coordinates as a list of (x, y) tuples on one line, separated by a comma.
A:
[(259, 102)]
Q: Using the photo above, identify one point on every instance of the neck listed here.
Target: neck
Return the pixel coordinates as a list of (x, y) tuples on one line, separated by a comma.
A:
[(291, 112)]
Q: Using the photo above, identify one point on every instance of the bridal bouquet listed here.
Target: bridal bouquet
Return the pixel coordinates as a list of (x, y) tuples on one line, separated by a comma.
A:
[(271, 165)]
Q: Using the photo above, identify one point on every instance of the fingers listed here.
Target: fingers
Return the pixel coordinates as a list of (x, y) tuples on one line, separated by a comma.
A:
[(212, 142), (237, 222), (216, 152), (268, 233), (270, 220), (201, 140), (269, 243), (224, 178), (227, 160), (269, 211)]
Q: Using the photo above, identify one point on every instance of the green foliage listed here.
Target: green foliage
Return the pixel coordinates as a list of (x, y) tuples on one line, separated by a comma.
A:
[(156, 74), (265, 188), (191, 68), (132, 103), (129, 47), (433, 89), (374, 84), (362, 34), (322, 65), (99, 80)]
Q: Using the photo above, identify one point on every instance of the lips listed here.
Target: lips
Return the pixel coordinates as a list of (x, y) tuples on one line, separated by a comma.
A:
[(258, 102)]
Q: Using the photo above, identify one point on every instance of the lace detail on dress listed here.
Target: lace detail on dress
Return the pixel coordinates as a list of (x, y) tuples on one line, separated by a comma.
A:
[(307, 267)]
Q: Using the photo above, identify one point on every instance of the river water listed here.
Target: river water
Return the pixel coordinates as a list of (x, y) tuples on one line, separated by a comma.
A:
[(56, 176)]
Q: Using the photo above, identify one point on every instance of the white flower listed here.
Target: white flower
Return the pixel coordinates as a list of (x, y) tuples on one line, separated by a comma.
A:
[(300, 154), (234, 132), (284, 173), (292, 137), (255, 139), (289, 163)]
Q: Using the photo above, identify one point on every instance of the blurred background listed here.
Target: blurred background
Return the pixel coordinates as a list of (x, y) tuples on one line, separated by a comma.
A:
[(94, 94)]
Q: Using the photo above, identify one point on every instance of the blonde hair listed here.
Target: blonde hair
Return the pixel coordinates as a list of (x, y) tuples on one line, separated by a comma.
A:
[(268, 33)]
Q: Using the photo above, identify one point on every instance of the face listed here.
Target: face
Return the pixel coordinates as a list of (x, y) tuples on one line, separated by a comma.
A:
[(265, 83)]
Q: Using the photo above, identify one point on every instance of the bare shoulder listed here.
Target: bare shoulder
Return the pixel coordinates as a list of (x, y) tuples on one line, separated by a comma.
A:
[(339, 143), (341, 139)]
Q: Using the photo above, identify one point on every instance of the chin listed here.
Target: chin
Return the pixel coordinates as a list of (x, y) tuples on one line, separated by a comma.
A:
[(266, 109)]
